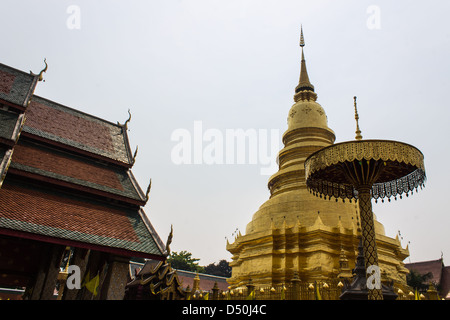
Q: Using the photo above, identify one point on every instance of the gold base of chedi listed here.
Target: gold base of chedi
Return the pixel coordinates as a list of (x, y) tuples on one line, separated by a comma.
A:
[(295, 232)]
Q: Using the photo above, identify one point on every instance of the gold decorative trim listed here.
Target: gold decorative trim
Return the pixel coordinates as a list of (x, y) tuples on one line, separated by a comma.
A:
[(4, 165), (385, 150), (391, 153)]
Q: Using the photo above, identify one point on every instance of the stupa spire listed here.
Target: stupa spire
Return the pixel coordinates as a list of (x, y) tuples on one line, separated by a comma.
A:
[(302, 40), (304, 89)]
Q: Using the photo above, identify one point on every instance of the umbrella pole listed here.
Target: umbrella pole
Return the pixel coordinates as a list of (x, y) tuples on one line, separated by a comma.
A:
[(369, 244)]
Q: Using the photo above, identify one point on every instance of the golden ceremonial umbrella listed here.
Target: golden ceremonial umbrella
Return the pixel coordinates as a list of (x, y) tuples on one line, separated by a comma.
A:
[(361, 170)]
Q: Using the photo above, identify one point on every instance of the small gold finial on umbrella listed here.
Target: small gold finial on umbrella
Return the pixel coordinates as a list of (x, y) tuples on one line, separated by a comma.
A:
[(358, 132)]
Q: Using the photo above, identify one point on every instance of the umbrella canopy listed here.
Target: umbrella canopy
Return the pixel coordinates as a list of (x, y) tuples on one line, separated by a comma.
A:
[(390, 168)]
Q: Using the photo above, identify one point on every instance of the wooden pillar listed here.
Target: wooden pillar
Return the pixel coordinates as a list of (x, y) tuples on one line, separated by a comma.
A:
[(116, 278), (47, 275), (80, 259), (90, 282)]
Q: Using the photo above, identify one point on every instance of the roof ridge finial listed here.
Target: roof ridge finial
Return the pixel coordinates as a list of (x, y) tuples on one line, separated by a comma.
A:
[(40, 75), (358, 132)]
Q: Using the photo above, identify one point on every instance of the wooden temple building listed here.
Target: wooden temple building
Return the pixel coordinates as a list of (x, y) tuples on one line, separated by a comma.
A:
[(67, 197), (157, 280), (440, 275), (154, 280)]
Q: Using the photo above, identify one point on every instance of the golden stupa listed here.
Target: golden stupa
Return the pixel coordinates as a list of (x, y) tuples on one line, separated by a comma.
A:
[(297, 233)]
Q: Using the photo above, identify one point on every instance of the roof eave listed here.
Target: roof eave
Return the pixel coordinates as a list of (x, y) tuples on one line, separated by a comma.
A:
[(73, 186), (78, 244)]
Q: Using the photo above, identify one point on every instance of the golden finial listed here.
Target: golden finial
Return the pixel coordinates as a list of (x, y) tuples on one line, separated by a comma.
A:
[(169, 241), (125, 125), (304, 89), (358, 132), (148, 190), (134, 155), (40, 75), (302, 40)]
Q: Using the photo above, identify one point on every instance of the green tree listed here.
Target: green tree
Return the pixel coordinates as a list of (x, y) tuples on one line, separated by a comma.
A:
[(221, 269), (418, 281), (184, 261)]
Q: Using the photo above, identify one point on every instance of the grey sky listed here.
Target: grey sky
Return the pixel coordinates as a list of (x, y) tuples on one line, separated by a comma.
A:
[(235, 64)]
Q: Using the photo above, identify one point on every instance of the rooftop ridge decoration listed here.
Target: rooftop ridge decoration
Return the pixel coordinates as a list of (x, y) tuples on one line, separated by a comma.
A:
[(40, 75), (169, 241), (147, 193), (134, 156), (125, 124)]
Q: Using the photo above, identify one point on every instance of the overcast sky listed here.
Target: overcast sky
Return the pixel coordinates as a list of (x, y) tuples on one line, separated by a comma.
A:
[(230, 65)]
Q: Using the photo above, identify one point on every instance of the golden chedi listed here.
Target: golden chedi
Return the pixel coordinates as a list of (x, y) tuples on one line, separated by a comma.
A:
[(296, 232)]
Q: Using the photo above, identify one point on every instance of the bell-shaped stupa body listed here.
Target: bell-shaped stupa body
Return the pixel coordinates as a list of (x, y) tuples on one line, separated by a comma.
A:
[(296, 232)]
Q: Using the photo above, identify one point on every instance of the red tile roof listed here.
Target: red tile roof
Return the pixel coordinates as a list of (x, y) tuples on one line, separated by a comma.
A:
[(6, 81), (53, 214), (16, 86), (63, 164), (423, 267), (70, 170), (441, 274), (69, 126), (69, 181), (77, 130), (445, 283), (11, 126), (207, 281)]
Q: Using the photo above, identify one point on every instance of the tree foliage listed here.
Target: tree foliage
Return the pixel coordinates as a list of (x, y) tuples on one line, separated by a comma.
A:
[(221, 269), (184, 261), (418, 281)]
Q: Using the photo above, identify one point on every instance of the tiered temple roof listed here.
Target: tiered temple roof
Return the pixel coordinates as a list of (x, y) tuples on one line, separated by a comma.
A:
[(66, 176), (156, 280), (440, 274)]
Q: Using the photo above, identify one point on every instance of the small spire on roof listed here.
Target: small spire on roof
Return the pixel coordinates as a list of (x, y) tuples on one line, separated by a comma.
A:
[(134, 156), (125, 125), (40, 75), (169, 241), (358, 132), (147, 193)]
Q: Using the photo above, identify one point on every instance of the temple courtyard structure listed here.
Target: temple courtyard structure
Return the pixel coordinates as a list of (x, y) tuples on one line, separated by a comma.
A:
[(68, 198)]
